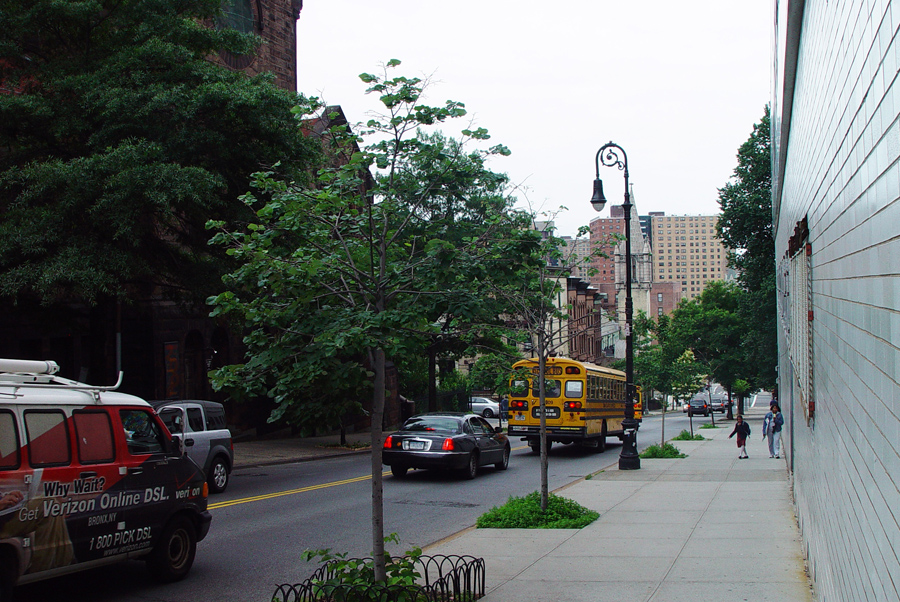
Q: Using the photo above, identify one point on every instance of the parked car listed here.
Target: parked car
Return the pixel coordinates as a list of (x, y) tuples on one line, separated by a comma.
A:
[(485, 406), (446, 440), (685, 405), (206, 438), (718, 404), (698, 406)]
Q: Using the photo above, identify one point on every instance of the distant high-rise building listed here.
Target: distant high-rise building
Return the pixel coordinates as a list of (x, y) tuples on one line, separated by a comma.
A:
[(687, 250), (576, 253)]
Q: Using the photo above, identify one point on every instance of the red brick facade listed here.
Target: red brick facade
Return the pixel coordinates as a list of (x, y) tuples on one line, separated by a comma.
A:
[(275, 21)]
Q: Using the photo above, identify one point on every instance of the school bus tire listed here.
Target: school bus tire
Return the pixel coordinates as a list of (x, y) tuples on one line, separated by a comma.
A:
[(173, 555), (535, 445), (9, 567), (601, 443)]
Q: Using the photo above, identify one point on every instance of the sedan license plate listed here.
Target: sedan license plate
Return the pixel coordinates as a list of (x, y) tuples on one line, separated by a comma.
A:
[(414, 445)]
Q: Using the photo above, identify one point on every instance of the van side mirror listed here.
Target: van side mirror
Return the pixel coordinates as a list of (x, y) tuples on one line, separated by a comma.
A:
[(175, 419)]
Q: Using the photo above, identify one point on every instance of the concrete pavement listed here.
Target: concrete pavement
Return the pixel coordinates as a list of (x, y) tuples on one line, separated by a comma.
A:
[(708, 527)]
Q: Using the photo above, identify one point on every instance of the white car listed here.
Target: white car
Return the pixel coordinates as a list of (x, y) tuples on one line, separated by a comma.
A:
[(484, 406)]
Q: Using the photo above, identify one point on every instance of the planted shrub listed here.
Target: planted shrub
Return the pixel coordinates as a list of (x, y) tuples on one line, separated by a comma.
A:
[(525, 513), (666, 451), (686, 436)]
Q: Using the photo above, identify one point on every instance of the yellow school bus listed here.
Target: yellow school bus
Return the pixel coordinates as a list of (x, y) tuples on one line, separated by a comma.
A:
[(584, 403)]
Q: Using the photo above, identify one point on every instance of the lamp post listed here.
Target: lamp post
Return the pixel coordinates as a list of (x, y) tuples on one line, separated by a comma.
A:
[(609, 154)]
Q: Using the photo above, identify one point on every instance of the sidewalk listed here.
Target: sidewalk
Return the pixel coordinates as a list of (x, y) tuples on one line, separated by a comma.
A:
[(264, 452), (708, 527)]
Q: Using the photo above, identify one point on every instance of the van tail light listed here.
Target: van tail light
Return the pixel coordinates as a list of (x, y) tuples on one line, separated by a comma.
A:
[(205, 489), (448, 445), (389, 442)]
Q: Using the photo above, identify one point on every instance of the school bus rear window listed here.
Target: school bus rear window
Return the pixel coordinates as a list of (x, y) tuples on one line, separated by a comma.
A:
[(48, 438), (9, 441), (95, 437)]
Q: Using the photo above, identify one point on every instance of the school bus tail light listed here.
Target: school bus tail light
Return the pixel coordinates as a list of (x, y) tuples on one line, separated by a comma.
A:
[(518, 404), (573, 405)]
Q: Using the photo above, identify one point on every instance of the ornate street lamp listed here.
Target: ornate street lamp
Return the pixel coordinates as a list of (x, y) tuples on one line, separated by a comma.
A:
[(609, 155)]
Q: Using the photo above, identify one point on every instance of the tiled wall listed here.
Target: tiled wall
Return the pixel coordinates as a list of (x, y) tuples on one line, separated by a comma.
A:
[(842, 174)]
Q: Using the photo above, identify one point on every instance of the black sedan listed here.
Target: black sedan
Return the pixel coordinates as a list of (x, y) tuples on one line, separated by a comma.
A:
[(447, 440)]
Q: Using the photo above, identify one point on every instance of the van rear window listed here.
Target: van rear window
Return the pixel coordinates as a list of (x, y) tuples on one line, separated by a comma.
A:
[(48, 438), (9, 441), (95, 437)]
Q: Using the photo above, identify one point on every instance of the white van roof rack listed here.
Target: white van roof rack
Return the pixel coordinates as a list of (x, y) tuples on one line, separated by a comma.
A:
[(29, 366), (40, 373)]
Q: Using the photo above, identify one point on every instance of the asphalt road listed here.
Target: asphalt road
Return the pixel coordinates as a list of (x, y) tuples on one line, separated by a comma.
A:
[(270, 515)]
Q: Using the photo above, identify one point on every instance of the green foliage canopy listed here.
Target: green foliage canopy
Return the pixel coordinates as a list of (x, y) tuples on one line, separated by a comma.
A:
[(120, 139), (746, 228)]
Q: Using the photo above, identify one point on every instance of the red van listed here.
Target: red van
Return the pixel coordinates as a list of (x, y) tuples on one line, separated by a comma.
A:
[(90, 476)]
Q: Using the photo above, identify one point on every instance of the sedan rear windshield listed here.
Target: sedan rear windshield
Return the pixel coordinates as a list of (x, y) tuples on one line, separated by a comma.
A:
[(429, 424)]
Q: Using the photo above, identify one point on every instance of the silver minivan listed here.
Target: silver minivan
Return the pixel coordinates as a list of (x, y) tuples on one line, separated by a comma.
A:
[(207, 439)]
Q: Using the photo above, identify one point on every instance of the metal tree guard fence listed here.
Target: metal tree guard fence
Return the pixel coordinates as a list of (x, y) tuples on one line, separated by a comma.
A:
[(440, 579)]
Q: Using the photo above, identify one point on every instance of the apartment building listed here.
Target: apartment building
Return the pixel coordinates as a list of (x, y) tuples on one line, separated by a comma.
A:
[(576, 252), (686, 250)]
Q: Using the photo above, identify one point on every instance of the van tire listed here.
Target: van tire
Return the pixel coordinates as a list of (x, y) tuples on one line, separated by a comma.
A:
[(218, 475), (173, 555), (9, 570)]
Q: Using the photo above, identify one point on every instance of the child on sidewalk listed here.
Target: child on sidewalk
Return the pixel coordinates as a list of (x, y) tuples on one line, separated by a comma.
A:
[(742, 430)]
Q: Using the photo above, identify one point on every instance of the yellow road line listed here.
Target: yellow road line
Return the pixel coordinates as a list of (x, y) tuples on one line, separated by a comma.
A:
[(268, 496)]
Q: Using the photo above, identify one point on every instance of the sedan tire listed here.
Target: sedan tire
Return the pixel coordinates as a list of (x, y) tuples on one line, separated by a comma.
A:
[(471, 469), (488, 413), (503, 464), (399, 471)]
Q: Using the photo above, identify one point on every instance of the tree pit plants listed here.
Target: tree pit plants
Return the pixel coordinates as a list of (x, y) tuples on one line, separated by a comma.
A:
[(525, 513), (686, 436), (665, 451)]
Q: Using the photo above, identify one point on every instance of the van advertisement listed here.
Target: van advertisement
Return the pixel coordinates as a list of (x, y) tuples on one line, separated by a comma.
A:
[(58, 522)]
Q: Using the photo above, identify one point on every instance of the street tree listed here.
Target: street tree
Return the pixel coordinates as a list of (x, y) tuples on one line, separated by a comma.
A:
[(688, 376), (745, 228), (350, 268), (540, 313), (120, 139), (712, 327)]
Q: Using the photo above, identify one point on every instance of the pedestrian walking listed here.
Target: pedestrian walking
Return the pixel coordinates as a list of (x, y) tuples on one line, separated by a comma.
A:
[(772, 424), (742, 430)]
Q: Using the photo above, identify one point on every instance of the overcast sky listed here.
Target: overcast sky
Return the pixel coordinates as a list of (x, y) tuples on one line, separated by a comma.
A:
[(678, 85)]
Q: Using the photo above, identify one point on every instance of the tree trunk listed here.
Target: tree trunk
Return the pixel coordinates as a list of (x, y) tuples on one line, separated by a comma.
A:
[(432, 379), (377, 485), (663, 435), (542, 364)]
